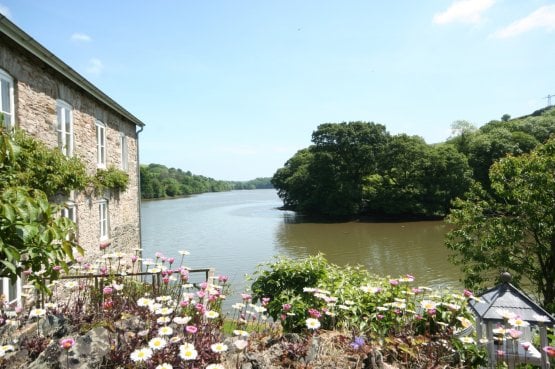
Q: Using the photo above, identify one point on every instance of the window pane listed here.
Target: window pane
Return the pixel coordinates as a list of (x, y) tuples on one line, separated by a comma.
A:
[(59, 126), (6, 103), (123, 152), (103, 219), (101, 144), (7, 119), (59, 118), (68, 143), (67, 120)]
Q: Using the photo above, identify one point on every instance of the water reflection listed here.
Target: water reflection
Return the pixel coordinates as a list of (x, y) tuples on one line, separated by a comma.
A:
[(383, 248)]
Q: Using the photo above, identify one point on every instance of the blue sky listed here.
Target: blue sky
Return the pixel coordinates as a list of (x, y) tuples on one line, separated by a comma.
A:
[(232, 89)]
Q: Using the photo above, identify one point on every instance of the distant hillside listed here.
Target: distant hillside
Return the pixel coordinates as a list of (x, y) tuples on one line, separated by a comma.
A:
[(254, 184), (159, 181)]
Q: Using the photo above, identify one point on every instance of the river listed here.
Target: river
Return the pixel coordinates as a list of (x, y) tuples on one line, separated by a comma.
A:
[(234, 231)]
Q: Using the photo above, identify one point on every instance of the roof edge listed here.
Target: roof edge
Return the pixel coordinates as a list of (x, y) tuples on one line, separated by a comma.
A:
[(32, 46)]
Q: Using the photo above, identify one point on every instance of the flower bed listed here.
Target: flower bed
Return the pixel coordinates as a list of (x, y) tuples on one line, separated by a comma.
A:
[(299, 314)]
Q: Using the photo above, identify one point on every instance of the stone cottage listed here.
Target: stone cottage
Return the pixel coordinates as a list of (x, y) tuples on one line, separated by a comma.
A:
[(48, 99)]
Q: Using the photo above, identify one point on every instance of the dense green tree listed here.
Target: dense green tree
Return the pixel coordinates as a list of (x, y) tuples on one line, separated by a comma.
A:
[(512, 227), (159, 181), (292, 180), (486, 148), (257, 183), (416, 179), (462, 132), (326, 179)]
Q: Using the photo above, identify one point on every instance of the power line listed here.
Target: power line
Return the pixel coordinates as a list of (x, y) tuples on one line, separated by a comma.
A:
[(548, 97)]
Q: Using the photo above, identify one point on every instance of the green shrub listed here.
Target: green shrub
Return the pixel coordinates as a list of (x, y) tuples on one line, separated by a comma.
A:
[(111, 178)]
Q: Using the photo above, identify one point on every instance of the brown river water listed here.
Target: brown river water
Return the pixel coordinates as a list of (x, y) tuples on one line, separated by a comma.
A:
[(234, 231)]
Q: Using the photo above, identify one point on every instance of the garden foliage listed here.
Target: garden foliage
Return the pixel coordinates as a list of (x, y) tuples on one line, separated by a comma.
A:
[(387, 311), (34, 239)]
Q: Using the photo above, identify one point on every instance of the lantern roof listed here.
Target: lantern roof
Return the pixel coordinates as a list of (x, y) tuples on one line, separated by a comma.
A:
[(504, 300)]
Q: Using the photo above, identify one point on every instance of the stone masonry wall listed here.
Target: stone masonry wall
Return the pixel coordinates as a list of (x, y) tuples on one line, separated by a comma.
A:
[(37, 87)]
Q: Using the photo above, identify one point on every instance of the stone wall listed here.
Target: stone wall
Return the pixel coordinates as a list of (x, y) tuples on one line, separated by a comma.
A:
[(37, 88)]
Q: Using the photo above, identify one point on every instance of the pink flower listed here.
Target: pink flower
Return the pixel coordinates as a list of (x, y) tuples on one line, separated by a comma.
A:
[(549, 350), (107, 290), (203, 285), (394, 282), (223, 278), (191, 329), (56, 267), (468, 293), (246, 296), (514, 333), (314, 313), (171, 260), (166, 280), (158, 255), (525, 345), (108, 304), (184, 303), (286, 307), (104, 245), (67, 343), (265, 301), (134, 258)]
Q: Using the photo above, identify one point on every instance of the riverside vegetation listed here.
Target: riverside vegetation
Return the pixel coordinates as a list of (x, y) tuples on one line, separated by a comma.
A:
[(159, 181), (299, 314)]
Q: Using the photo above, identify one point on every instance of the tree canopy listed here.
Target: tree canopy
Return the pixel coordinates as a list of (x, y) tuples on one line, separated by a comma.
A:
[(511, 228), (359, 169)]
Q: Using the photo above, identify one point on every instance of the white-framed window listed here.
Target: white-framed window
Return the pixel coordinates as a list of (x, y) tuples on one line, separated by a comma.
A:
[(103, 221), (123, 151), (64, 127), (100, 144), (12, 291), (70, 211), (7, 99)]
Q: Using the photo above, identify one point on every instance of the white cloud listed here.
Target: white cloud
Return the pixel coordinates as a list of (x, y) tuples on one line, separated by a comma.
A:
[(5, 11), (95, 66), (80, 37), (464, 11), (543, 17)]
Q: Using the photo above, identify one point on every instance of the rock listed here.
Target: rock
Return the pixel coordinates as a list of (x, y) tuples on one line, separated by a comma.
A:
[(48, 359), (88, 352), (54, 326), (313, 349)]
